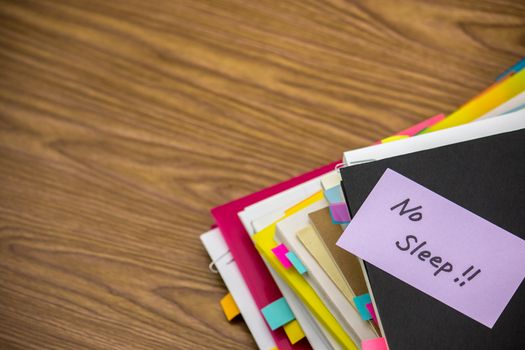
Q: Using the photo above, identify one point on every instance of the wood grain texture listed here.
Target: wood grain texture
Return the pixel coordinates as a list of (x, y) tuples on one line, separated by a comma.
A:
[(123, 122)]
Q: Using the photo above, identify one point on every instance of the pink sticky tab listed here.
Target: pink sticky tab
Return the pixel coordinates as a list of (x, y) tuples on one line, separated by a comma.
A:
[(374, 344), (414, 130), (370, 309), (339, 213), (438, 247), (280, 252)]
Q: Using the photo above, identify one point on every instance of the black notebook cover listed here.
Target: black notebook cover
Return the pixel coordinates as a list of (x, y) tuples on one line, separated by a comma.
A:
[(485, 176)]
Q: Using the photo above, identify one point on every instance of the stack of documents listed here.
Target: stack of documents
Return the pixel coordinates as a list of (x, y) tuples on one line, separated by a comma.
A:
[(415, 242)]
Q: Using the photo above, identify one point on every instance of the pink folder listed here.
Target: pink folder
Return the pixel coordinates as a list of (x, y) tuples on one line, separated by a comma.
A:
[(253, 270)]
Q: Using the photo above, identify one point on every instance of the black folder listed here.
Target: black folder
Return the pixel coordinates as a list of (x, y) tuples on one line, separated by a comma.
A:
[(485, 176)]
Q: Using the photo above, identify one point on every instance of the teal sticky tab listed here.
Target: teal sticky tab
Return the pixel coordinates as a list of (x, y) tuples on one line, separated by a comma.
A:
[(333, 195), (296, 262), (277, 314), (360, 303)]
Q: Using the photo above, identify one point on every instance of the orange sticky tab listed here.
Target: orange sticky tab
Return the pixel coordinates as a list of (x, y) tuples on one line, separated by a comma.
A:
[(294, 331), (229, 307)]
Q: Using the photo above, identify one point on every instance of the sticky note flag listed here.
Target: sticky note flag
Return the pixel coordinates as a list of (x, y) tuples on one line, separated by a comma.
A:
[(514, 69), (280, 252), (374, 344), (293, 331), (296, 262), (277, 314), (333, 195), (360, 303), (394, 138), (370, 308), (339, 213), (416, 129), (438, 247), (229, 307)]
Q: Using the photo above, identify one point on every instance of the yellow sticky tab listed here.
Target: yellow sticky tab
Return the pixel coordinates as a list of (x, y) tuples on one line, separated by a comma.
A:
[(229, 307), (394, 138), (293, 331), (488, 100)]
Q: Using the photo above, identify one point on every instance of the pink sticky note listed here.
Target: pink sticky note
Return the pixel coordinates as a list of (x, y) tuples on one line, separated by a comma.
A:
[(370, 309), (415, 129), (374, 344), (280, 252), (339, 212), (437, 247)]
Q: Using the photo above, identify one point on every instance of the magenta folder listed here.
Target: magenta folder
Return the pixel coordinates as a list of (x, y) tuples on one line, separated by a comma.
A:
[(253, 270)]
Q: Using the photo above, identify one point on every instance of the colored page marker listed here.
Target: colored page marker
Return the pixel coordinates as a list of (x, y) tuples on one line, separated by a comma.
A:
[(333, 195), (296, 262), (280, 252), (394, 138), (360, 303), (339, 213), (277, 314), (372, 312), (416, 129), (374, 344), (293, 331), (229, 307), (514, 69)]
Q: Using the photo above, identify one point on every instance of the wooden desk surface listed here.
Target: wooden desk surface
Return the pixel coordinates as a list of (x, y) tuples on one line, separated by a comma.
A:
[(123, 122)]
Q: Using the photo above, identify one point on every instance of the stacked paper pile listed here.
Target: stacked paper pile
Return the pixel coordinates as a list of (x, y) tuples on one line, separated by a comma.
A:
[(304, 275)]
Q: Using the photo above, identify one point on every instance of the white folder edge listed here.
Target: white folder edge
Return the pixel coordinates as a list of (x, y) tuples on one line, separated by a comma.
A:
[(497, 125), (280, 201), (227, 267)]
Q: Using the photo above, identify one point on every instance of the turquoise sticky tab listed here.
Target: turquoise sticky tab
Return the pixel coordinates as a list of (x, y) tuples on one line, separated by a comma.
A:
[(296, 262), (333, 195), (360, 303), (277, 314), (514, 69)]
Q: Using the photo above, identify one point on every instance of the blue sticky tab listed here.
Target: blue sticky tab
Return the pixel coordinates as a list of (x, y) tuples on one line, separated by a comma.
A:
[(296, 262), (360, 303), (514, 69), (277, 314), (333, 195)]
